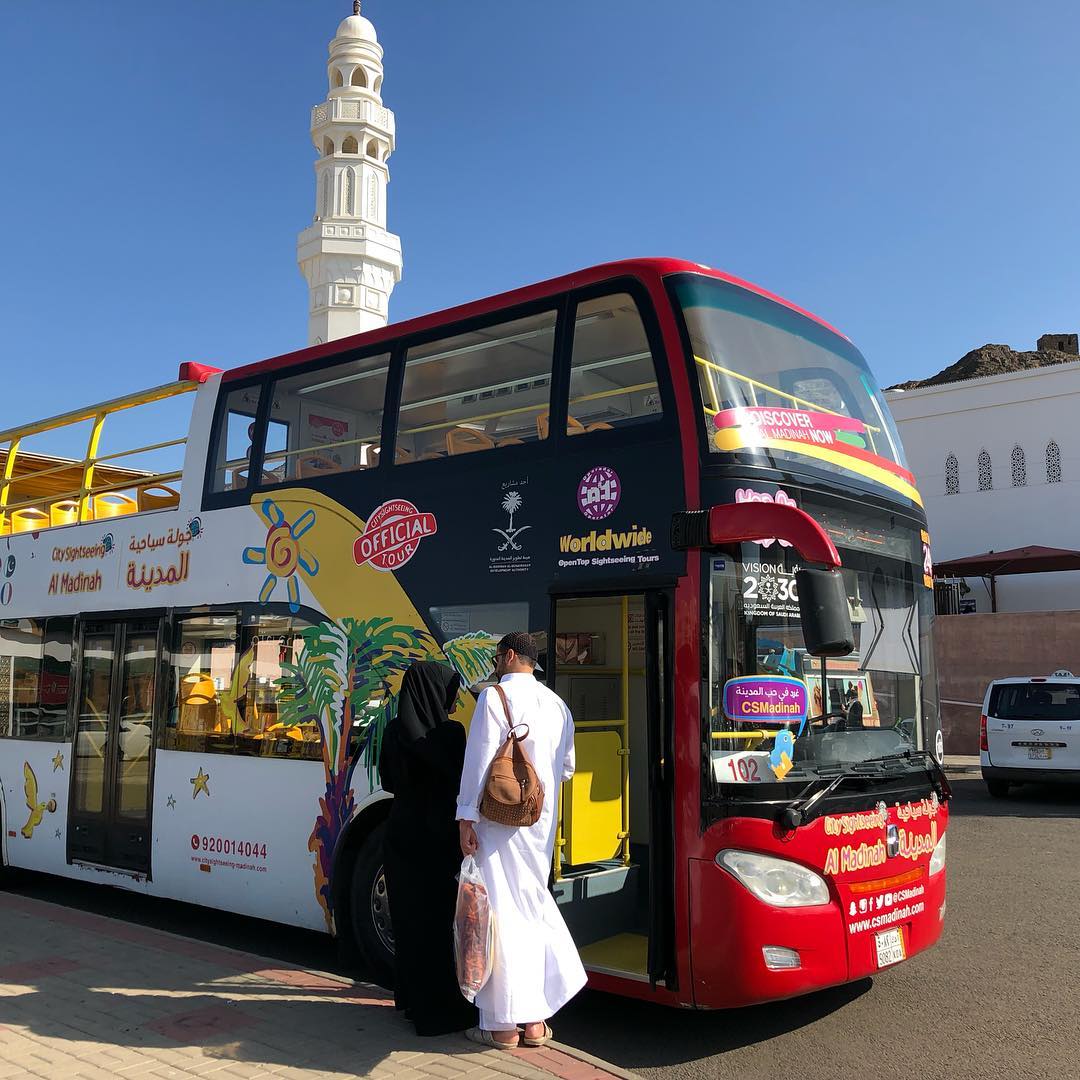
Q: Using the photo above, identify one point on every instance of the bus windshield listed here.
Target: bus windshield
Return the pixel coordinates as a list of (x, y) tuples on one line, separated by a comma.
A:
[(777, 387), (778, 714)]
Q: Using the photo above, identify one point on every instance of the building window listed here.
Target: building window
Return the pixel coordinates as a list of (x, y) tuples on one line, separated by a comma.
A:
[(350, 191), (1053, 463), (952, 475), (1019, 467), (35, 677), (350, 145), (326, 195), (612, 376), (373, 150), (229, 683), (986, 475), (359, 77), (477, 391)]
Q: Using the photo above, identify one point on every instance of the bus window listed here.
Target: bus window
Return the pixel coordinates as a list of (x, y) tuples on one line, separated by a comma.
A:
[(470, 634), (326, 421), (230, 700), (237, 428), (20, 670), (613, 374), (479, 390)]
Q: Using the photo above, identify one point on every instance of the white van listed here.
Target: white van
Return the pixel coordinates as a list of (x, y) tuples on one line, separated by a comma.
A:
[(1030, 731)]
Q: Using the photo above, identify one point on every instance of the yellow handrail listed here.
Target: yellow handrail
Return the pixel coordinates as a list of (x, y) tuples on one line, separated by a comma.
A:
[(779, 393), (87, 490)]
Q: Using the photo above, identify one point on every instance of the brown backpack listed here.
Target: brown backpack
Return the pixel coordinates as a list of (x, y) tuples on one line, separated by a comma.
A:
[(513, 794)]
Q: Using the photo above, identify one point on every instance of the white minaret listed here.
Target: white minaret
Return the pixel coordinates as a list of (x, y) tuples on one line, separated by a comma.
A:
[(349, 259)]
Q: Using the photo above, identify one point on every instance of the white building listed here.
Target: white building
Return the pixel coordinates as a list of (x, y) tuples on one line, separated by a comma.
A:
[(350, 261), (997, 462)]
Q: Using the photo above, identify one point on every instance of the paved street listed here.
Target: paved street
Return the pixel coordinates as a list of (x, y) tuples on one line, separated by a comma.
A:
[(998, 997)]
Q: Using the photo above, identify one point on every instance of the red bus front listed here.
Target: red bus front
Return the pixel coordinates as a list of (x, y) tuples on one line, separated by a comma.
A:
[(812, 808)]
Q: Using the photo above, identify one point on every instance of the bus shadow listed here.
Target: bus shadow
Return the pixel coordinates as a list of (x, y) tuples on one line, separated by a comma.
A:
[(971, 799), (638, 1034), (177, 1024)]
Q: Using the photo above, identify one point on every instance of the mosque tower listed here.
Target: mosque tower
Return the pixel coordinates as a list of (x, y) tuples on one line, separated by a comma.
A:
[(350, 261)]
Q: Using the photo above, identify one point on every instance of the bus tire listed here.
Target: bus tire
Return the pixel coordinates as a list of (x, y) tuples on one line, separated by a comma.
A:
[(998, 789), (369, 908)]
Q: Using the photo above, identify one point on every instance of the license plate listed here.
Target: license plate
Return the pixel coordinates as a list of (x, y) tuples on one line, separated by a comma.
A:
[(890, 948), (1041, 753)]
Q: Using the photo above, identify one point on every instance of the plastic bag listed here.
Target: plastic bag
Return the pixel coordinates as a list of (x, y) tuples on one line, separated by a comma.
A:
[(474, 930)]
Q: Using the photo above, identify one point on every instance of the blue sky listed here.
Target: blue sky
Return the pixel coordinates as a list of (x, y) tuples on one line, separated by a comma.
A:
[(907, 171)]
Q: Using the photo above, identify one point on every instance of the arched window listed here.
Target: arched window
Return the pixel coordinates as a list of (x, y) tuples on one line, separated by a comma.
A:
[(350, 191), (986, 475), (373, 150), (338, 80), (350, 146), (359, 77), (378, 83), (328, 147), (952, 475), (1053, 463), (1019, 467), (325, 194)]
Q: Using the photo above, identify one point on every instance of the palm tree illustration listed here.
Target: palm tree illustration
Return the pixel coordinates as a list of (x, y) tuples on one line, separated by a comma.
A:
[(511, 504)]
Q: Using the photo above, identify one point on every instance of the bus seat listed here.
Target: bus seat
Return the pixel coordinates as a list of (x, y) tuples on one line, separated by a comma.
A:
[(600, 425), (317, 465), (510, 441), (64, 512), (5, 526), (157, 497), (574, 426), (462, 440), (542, 423), (28, 519), (113, 504)]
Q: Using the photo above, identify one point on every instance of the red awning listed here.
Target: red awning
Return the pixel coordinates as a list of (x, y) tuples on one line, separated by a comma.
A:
[(1025, 560)]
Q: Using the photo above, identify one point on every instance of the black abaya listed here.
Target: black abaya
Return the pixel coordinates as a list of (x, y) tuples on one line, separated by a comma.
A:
[(420, 763)]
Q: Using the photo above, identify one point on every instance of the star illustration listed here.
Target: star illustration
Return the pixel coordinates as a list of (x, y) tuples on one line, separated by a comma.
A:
[(200, 783), (171, 801), (58, 761), (57, 834)]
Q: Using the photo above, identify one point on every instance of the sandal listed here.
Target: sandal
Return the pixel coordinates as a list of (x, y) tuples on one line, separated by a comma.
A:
[(485, 1038), (543, 1040)]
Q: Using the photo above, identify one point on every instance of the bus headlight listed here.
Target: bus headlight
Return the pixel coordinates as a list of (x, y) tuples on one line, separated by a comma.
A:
[(937, 860), (776, 881)]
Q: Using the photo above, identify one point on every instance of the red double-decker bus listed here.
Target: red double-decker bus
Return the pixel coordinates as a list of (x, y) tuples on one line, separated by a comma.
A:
[(690, 490)]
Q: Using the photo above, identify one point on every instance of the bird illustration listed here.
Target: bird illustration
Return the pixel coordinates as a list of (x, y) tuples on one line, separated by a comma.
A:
[(783, 749), (37, 809)]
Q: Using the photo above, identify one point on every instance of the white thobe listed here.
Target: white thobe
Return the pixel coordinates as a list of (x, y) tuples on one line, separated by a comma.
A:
[(537, 967)]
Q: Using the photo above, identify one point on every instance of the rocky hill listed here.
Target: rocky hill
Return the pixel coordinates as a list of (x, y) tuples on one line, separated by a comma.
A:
[(989, 360)]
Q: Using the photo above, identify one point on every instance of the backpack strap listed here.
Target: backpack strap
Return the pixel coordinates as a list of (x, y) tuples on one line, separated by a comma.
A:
[(509, 719)]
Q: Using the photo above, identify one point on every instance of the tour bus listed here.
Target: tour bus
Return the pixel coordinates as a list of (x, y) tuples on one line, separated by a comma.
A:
[(690, 490)]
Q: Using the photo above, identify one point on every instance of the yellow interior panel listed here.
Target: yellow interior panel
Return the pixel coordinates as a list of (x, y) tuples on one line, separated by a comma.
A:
[(592, 801)]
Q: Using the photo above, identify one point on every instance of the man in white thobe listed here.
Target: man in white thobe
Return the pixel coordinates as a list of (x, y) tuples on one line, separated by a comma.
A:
[(537, 968)]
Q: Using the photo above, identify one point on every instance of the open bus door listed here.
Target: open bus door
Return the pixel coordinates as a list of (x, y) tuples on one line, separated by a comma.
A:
[(116, 702), (613, 869)]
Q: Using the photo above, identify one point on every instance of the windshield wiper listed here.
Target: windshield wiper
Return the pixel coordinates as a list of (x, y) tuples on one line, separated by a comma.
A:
[(804, 806), (927, 760)]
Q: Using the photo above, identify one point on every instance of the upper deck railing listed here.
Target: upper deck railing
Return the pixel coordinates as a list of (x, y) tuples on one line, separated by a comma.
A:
[(40, 492)]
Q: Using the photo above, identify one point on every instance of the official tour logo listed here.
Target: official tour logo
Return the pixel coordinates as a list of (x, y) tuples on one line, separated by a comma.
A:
[(599, 493), (393, 534)]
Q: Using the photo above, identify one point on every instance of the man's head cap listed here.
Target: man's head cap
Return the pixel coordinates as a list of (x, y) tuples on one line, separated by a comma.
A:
[(522, 643)]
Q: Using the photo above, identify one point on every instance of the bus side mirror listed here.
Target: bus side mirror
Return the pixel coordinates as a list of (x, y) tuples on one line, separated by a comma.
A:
[(823, 609)]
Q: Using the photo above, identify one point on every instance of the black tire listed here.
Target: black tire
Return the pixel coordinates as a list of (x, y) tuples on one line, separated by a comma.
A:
[(999, 789), (369, 909)]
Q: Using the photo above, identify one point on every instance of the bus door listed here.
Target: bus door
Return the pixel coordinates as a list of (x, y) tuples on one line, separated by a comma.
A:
[(109, 808), (612, 871)]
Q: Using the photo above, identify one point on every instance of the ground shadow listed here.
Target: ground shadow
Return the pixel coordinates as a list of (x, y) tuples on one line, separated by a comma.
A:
[(971, 799), (640, 1034)]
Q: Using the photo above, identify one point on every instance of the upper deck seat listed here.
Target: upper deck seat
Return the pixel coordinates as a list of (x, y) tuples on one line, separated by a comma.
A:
[(157, 497), (29, 519), (113, 504)]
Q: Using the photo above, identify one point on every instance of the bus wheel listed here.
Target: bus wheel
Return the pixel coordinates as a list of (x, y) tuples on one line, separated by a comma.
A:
[(998, 789), (369, 908)]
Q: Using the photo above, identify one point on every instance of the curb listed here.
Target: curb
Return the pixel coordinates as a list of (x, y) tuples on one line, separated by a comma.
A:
[(597, 1063)]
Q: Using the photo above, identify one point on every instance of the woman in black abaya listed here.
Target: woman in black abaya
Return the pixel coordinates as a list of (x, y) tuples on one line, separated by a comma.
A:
[(423, 751)]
